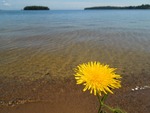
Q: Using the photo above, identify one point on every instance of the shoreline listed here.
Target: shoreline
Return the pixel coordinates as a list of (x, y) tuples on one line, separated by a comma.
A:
[(35, 78), (37, 59)]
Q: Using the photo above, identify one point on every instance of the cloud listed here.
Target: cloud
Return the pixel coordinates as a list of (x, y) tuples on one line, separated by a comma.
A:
[(5, 3)]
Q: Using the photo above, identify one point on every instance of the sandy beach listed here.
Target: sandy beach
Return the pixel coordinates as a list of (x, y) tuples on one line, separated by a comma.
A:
[(39, 51), (35, 80), (65, 97)]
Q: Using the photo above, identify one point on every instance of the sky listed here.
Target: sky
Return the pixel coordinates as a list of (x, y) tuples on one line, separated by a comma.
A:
[(67, 4)]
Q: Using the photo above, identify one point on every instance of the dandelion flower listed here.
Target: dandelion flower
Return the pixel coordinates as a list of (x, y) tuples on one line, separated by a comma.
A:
[(97, 78)]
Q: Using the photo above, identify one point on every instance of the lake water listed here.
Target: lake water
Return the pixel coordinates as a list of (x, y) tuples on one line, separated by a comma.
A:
[(45, 22), (134, 24), (37, 45)]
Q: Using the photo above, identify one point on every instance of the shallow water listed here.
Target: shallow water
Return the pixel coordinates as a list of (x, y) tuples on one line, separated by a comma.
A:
[(38, 51), (53, 30)]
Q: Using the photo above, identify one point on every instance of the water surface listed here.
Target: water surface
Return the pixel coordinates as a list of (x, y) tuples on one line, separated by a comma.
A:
[(38, 49)]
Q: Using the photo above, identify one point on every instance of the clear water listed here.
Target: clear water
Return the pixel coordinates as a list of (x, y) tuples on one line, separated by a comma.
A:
[(38, 45), (76, 25), (29, 23)]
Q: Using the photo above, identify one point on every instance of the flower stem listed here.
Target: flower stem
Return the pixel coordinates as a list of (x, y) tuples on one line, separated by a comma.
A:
[(104, 98), (101, 101), (100, 106), (110, 108)]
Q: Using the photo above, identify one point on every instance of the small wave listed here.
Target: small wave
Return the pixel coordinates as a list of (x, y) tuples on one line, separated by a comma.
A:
[(140, 88)]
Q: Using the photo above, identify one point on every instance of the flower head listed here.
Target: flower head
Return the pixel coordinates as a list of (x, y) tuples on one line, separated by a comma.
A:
[(97, 77)]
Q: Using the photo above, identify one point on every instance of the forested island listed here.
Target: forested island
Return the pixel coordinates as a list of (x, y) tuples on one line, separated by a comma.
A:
[(36, 8), (146, 6)]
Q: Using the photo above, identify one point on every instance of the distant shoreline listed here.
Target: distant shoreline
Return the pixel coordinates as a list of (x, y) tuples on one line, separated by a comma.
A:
[(146, 6)]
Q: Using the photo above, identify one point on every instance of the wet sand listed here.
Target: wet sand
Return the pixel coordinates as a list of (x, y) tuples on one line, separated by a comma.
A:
[(40, 79), (64, 97)]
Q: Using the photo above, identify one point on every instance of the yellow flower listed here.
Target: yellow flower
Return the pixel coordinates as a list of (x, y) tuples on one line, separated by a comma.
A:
[(97, 78)]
